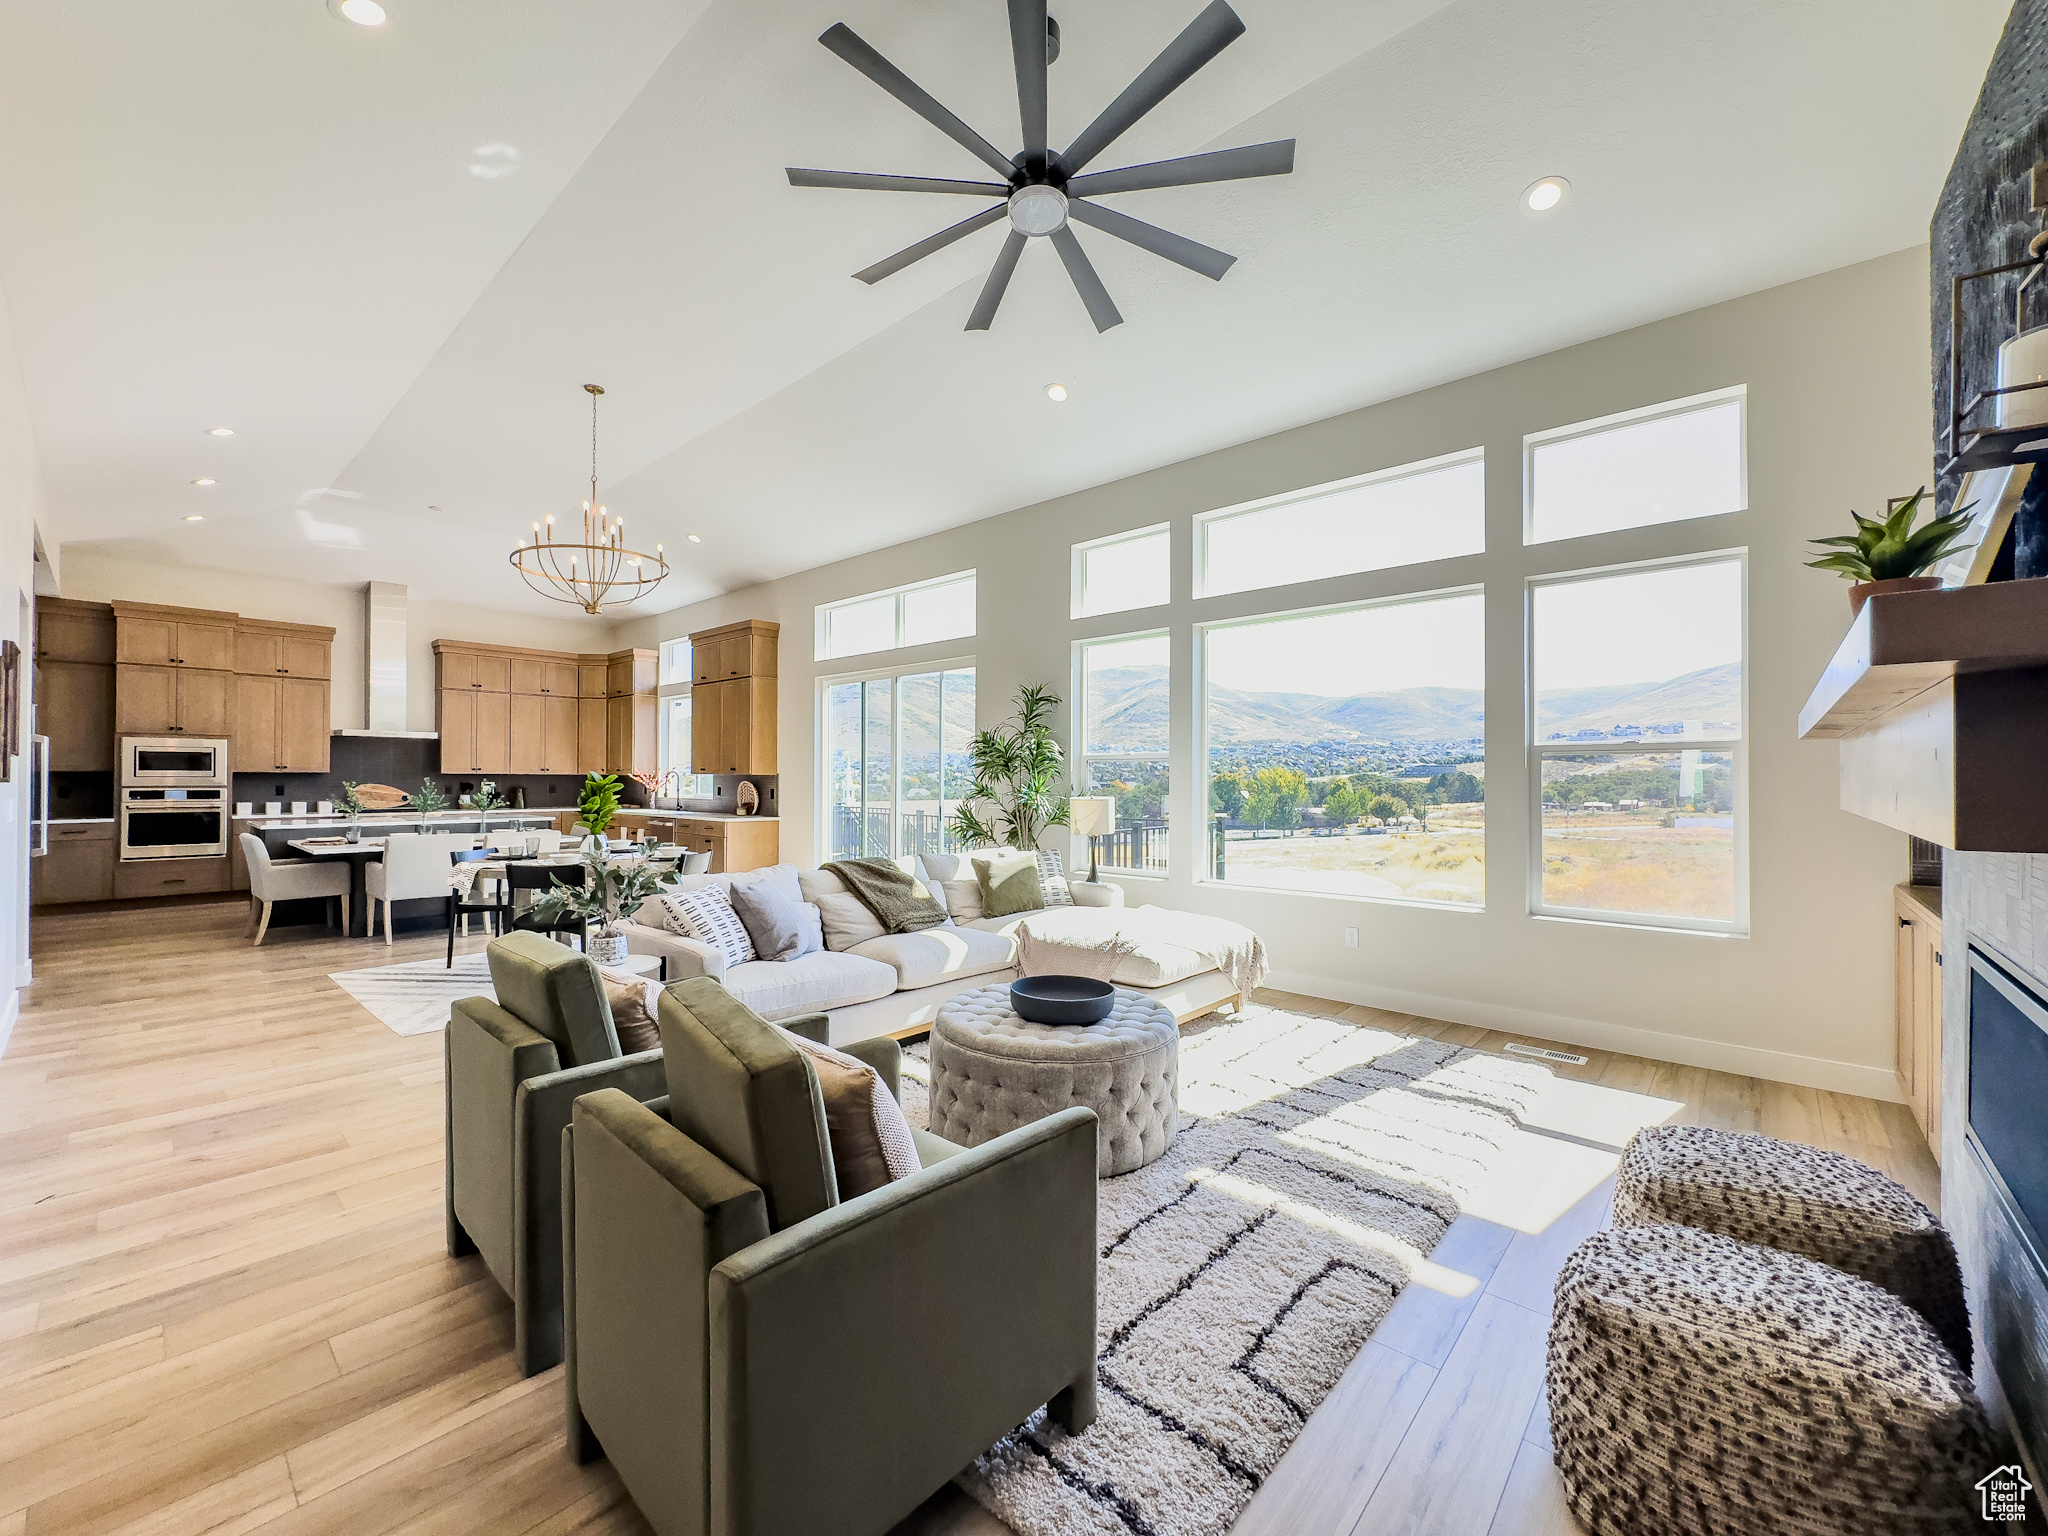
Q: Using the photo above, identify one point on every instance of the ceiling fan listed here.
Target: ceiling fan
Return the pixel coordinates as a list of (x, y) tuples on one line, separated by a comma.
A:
[(1043, 191)]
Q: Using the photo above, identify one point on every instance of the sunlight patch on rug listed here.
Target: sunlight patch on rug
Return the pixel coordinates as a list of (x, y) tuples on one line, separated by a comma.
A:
[(413, 998), (1318, 1164)]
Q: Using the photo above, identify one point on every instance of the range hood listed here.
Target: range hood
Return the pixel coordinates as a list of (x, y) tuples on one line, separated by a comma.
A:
[(384, 664)]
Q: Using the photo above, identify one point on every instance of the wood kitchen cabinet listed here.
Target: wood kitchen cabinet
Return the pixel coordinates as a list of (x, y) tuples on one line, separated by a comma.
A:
[(476, 731), (71, 631), (629, 740), (74, 693), (280, 723), (734, 842), (151, 635), (171, 701), (590, 731), (733, 698), (476, 669), (284, 650), (746, 649), (561, 712), (1917, 1005), (78, 867)]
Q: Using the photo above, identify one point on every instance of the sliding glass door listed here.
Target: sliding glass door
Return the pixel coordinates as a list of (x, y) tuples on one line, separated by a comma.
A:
[(897, 758)]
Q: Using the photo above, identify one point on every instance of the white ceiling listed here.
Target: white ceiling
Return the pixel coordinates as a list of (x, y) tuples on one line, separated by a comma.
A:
[(389, 260)]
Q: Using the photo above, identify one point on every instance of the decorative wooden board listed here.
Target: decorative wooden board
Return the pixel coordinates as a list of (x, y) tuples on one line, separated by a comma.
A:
[(381, 797)]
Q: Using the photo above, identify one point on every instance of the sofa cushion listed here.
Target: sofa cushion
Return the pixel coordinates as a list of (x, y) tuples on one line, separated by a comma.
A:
[(553, 990), (938, 954), (782, 989), (707, 915), (1009, 883), (781, 929), (744, 1092), (846, 920), (782, 876), (633, 999), (1155, 962)]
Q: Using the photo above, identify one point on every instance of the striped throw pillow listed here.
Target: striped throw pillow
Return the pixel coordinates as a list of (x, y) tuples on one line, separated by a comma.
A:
[(706, 915), (1052, 879)]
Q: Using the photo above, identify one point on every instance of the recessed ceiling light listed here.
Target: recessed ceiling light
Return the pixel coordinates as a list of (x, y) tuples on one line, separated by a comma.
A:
[(694, 539), (1546, 194), (220, 431), (364, 13), (1055, 391), (194, 517), (202, 481)]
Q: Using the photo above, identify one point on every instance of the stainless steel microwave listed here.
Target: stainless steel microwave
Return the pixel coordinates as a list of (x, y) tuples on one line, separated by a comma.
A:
[(173, 761)]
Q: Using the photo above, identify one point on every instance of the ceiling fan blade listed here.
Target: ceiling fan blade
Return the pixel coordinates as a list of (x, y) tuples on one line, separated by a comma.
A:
[(930, 243), (866, 181), (1274, 159), (843, 40), (1192, 254), (998, 279), (1101, 308), (1206, 36), (1028, 47)]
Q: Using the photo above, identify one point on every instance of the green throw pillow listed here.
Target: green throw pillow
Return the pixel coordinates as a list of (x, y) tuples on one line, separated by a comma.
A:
[(1009, 883)]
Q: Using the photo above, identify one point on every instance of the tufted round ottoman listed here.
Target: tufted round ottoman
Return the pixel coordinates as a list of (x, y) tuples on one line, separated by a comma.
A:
[(1704, 1387), (992, 1072), (1780, 1194)]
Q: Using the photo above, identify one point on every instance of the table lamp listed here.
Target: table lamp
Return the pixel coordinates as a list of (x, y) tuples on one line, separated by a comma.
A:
[(1092, 816)]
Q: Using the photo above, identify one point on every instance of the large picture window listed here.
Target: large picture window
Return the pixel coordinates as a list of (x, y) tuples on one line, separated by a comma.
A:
[(896, 761), (1637, 762), (1123, 710), (1430, 510), (1345, 750), (885, 621)]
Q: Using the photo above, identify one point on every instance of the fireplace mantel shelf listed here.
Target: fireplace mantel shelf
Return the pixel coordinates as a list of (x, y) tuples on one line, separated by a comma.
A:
[(1940, 703)]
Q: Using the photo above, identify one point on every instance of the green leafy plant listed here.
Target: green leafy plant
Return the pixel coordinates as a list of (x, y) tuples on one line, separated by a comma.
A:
[(1019, 779), (611, 889), (1888, 549), (428, 798), (598, 801), (349, 800), (486, 797)]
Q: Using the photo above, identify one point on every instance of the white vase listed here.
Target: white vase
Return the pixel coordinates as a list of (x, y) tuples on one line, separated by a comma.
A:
[(606, 951)]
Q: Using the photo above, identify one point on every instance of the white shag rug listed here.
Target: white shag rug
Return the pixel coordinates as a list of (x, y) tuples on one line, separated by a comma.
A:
[(1317, 1162), (413, 998)]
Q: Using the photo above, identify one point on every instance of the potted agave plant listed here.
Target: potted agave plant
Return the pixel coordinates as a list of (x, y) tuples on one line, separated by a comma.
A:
[(610, 892), (1891, 555)]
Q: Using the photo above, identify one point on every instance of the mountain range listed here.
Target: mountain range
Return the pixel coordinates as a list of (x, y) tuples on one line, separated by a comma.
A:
[(1131, 708)]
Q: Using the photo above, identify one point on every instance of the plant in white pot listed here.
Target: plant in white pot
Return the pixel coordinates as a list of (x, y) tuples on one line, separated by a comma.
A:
[(1020, 777), (610, 892), (1892, 555)]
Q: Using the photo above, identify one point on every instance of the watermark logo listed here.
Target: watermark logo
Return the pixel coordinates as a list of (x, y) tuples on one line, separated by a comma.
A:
[(2004, 1493)]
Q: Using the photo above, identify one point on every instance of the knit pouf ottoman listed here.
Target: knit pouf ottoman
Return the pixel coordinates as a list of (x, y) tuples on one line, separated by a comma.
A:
[(1705, 1387), (992, 1072), (1784, 1195)]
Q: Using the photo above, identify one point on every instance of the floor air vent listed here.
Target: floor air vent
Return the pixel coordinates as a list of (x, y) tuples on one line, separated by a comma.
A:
[(1515, 1048)]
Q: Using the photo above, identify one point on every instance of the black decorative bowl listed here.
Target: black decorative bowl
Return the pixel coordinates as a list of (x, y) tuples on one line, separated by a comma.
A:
[(1062, 999)]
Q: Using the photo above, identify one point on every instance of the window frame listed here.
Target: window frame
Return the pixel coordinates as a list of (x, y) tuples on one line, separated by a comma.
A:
[(821, 618), (821, 731), (664, 693), (1205, 863), (1686, 406), (1737, 748), (1407, 471), (661, 673), (1083, 549), (1080, 757)]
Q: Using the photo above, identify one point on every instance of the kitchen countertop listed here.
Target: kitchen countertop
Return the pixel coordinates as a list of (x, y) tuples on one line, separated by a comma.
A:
[(692, 815), (310, 818)]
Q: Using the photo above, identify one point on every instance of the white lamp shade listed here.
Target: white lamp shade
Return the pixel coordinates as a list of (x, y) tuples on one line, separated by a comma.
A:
[(1092, 815)]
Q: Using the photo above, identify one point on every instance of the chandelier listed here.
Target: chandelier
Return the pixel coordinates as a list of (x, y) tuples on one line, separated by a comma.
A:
[(596, 569)]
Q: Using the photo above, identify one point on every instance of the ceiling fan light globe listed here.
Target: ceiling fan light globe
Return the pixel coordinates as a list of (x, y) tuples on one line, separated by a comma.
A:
[(1038, 210)]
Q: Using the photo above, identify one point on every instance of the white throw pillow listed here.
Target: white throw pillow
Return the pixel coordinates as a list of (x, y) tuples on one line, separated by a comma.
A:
[(706, 915), (1052, 879), (847, 922), (963, 899)]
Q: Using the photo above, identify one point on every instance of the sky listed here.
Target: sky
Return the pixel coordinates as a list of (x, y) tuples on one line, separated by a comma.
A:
[(1639, 628), (1430, 643)]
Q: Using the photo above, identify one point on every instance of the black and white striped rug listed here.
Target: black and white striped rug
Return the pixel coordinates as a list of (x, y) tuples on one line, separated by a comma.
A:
[(413, 998), (1318, 1162)]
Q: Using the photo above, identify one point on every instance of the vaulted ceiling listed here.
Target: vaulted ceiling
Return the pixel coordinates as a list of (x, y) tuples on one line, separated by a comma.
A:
[(389, 259)]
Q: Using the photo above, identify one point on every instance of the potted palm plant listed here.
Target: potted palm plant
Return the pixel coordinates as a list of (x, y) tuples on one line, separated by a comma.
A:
[(1890, 555), (1019, 779), (610, 892)]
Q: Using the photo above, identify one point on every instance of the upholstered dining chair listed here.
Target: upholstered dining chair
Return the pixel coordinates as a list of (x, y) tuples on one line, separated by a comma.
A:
[(756, 1354), (293, 880), (415, 865)]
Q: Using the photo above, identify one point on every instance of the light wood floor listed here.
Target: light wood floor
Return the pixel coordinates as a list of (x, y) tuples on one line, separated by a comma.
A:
[(225, 1306)]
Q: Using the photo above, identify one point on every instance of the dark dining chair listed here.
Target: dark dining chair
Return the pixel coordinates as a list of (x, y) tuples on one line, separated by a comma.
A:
[(461, 904), (538, 876)]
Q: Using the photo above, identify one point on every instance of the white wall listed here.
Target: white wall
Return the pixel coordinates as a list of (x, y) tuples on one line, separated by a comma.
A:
[(20, 507), (1837, 369), (95, 577)]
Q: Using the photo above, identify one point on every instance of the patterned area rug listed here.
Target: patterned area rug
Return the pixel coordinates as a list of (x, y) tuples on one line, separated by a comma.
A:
[(1317, 1162), (413, 999)]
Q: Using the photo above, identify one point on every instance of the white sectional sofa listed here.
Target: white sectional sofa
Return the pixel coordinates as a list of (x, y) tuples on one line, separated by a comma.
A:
[(873, 983)]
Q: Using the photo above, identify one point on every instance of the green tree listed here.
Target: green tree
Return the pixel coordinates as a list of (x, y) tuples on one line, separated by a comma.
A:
[(1276, 798), (1457, 788), (1343, 806), (1226, 794), (1387, 807)]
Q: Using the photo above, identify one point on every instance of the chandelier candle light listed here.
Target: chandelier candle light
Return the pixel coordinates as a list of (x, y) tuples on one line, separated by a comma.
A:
[(599, 568)]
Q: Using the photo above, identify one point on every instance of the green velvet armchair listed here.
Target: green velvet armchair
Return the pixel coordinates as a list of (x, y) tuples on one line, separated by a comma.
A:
[(513, 1069), (758, 1357)]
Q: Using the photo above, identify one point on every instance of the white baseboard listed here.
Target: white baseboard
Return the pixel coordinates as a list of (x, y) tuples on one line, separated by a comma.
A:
[(1686, 1050), (9, 1012)]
